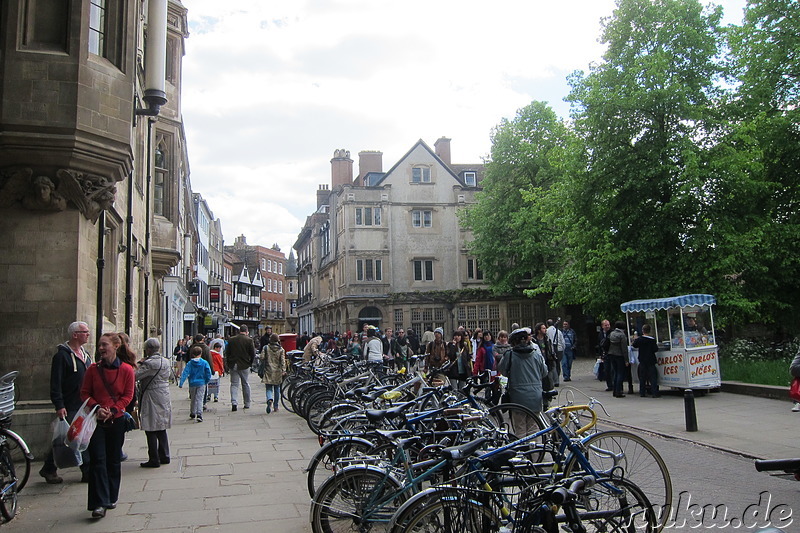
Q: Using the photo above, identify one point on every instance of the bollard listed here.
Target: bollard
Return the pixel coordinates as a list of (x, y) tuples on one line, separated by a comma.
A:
[(689, 410)]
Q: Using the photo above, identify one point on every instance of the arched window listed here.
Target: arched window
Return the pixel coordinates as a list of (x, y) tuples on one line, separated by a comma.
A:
[(161, 177)]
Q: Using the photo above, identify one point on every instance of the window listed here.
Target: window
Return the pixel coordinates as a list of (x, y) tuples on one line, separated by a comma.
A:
[(263, 264), (423, 270), (161, 178), (368, 216), (369, 270), (473, 271), (105, 29), (280, 287), (470, 179), (280, 268), (421, 175), (421, 219)]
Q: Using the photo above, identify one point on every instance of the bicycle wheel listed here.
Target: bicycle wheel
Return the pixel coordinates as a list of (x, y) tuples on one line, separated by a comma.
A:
[(521, 422), (22, 460), (349, 500), (455, 512), (330, 418), (8, 484), (624, 510), (622, 453), (325, 462), (316, 406)]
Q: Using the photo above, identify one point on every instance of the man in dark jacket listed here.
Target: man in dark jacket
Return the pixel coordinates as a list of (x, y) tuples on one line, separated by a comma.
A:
[(238, 359), (648, 371), (66, 377)]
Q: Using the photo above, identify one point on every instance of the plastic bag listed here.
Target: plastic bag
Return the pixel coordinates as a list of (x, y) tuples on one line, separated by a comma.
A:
[(63, 455), (597, 368), (794, 390), (82, 428)]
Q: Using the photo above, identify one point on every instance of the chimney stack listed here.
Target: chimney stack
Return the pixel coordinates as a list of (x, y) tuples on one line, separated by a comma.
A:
[(369, 161), (341, 168), (442, 149), (323, 195)]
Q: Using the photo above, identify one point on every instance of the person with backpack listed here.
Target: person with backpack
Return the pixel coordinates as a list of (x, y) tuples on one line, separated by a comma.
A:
[(618, 354), (272, 370)]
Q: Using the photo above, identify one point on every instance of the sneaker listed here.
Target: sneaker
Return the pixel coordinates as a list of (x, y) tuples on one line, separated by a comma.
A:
[(795, 409), (247, 407), (192, 415), (233, 408), (199, 418), (216, 399), (269, 406)]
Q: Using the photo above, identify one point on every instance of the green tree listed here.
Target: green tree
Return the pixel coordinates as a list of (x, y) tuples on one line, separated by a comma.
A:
[(511, 242), (645, 117), (763, 147)]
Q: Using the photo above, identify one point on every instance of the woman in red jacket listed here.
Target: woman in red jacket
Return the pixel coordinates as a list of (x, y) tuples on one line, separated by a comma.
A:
[(108, 384)]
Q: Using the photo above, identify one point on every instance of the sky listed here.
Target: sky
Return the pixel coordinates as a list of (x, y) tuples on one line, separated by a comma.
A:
[(272, 87)]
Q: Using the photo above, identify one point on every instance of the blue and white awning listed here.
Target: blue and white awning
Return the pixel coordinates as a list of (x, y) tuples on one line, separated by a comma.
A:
[(687, 300)]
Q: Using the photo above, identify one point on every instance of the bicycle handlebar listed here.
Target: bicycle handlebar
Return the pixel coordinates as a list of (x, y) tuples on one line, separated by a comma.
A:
[(578, 408), (791, 466)]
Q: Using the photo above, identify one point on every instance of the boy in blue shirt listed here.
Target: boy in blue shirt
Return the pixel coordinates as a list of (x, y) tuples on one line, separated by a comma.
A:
[(199, 374)]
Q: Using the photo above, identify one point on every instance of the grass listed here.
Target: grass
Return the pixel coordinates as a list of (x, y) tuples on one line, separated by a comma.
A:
[(760, 372)]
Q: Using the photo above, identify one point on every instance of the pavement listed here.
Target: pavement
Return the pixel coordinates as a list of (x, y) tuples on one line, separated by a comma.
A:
[(242, 472)]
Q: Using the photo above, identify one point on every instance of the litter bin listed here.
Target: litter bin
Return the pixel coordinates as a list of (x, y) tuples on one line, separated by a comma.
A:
[(288, 341)]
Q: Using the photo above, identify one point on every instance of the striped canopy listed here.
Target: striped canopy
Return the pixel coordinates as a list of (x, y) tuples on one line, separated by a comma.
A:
[(687, 300)]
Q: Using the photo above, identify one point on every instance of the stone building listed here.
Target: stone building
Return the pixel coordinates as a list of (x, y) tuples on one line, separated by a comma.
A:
[(386, 248), (93, 175)]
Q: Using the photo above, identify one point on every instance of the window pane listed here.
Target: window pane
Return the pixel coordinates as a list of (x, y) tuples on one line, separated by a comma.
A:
[(378, 270), (426, 175), (417, 270), (416, 218), (428, 270), (368, 269), (416, 175), (359, 270), (427, 219), (368, 216), (470, 269), (377, 211), (358, 216)]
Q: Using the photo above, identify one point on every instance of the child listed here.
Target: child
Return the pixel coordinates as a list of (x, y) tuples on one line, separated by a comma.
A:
[(199, 374), (275, 368), (219, 365)]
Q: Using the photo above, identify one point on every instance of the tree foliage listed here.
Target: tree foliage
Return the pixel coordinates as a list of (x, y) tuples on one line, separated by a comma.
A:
[(679, 171)]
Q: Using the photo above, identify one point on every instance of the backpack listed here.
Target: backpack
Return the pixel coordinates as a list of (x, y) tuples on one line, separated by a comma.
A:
[(261, 368)]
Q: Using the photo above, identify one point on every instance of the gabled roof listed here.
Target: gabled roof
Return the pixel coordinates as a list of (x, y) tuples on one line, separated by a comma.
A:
[(428, 148)]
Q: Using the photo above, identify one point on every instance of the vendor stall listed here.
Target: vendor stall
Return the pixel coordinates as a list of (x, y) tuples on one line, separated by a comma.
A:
[(683, 327)]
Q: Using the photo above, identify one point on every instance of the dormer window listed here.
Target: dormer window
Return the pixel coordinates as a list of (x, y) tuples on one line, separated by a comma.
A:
[(421, 175), (470, 179)]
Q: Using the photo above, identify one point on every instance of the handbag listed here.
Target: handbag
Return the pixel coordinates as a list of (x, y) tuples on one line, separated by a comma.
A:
[(82, 428), (794, 390), (130, 423)]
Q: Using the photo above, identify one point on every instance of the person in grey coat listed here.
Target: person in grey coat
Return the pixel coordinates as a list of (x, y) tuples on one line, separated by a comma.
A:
[(155, 406), (525, 368)]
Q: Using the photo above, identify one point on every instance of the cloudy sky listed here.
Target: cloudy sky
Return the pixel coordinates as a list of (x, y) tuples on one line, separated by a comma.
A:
[(272, 87)]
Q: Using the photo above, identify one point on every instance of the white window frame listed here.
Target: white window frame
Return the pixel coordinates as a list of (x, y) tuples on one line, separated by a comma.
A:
[(369, 270), (422, 218), (368, 216), (470, 178), (421, 174), (423, 270)]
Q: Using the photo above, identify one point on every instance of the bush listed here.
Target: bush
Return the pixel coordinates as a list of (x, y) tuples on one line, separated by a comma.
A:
[(758, 361)]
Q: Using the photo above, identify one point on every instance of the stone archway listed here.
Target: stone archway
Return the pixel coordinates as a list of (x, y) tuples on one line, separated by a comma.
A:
[(369, 315)]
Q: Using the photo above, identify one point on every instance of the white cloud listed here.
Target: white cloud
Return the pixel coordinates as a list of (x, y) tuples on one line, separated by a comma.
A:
[(272, 87)]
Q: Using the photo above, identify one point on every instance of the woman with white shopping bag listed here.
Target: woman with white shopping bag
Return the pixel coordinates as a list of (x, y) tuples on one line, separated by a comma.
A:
[(108, 385)]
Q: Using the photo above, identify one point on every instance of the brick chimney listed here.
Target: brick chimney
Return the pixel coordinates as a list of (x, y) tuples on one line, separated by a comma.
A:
[(323, 194), (341, 168), (369, 161), (442, 149)]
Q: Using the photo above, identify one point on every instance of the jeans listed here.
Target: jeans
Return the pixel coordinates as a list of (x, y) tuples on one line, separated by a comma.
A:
[(105, 452), (273, 392), (618, 363), (237, 376), (566, 363), (648, 373), (196, 400)]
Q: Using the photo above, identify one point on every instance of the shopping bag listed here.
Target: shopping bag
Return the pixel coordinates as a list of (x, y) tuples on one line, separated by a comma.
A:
[(63, 455), (82, 428), (794, 390), (597, 367)]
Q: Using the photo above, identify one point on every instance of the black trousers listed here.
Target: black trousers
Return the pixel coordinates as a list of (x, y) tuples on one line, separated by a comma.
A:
[(105, 453), (157, 446)]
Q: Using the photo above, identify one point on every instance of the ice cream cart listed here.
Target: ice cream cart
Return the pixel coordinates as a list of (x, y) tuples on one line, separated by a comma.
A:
[(683, 327)]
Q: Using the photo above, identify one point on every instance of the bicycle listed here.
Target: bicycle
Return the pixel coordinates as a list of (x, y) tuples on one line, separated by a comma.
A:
[(13, 451)]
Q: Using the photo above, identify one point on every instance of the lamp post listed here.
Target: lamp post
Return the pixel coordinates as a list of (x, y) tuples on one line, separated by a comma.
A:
[(155, 58)]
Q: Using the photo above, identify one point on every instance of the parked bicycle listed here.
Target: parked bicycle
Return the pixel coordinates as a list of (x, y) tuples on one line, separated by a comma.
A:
[(15, 456)]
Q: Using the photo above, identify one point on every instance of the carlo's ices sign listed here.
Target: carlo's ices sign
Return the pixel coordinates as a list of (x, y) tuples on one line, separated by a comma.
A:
[(703, 365), (670, 366)]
